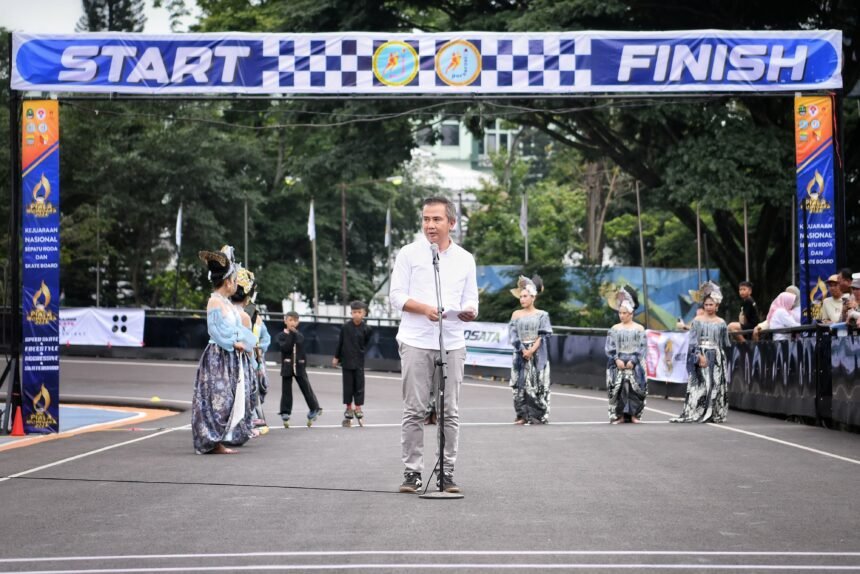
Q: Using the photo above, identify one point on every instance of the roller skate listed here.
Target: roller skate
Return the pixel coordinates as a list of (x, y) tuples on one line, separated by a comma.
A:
[(359, 416), (347, 418), (313, 416)]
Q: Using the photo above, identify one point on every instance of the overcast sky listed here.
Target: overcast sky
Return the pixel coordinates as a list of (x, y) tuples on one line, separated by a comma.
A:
[(61, 16)]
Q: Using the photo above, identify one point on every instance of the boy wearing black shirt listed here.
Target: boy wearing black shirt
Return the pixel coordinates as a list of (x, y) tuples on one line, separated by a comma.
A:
[(293, 366), (748, 317), (351, 346)]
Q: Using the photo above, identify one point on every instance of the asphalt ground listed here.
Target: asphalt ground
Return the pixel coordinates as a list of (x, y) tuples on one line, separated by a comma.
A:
[(753, 495)]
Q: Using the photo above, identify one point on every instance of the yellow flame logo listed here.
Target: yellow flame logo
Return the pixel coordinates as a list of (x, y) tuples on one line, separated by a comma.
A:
[(44, 186), (815, 187), (819, 292), (45, 397), (815, 203), (41, 207), (45, 294)]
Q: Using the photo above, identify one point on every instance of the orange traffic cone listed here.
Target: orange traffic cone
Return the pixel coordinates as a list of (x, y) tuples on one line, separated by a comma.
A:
[(18, 424)]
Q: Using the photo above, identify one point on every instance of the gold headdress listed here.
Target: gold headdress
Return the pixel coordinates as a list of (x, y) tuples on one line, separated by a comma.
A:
[(220, 263), (533, 286), (617, 296), (709, 289)]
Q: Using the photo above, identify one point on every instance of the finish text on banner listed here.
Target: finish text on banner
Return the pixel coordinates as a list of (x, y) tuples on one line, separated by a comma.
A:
[(438, 63), (816, 221), (40, 297)]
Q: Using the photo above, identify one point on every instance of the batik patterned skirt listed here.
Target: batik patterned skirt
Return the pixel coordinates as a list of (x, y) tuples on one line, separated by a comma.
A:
[(627, 388), (706, 399), (223, 378), (531, 391)]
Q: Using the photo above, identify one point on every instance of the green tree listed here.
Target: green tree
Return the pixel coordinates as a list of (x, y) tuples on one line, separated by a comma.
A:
[(112, 15), (719, 151)]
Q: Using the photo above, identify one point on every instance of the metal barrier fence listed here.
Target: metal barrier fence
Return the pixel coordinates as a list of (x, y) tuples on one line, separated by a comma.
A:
[(815, 375)]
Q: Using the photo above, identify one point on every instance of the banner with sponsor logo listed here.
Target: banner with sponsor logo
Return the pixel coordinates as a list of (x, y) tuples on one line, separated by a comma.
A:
[(438, 63), (488, 345), (102, 327), (666, 358), (816, 221), (40, 175)]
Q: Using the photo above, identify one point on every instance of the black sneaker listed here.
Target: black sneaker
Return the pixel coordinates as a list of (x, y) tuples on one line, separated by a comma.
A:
[(447, 482), (411, 482)]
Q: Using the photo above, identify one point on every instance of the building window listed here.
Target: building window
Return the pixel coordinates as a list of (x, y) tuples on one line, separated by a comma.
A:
[(424, 136), (451, 134)]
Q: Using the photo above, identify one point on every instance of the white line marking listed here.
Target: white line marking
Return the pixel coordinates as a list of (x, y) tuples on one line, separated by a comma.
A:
[(555, 393), (90, 453), (332, 553), (118, 397), (785, 442), (467, 566)]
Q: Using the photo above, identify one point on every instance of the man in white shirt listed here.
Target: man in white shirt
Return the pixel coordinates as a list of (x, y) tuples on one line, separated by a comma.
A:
[(413, 290)]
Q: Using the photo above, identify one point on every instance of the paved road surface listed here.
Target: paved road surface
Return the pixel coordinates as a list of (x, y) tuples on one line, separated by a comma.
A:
[(754, 495)]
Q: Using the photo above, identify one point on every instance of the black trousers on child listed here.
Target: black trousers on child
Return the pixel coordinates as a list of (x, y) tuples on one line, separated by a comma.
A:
[(301, 377), (353, 386)]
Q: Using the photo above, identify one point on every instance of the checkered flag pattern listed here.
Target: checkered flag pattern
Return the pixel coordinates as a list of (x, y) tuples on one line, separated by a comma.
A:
[(548, 63)]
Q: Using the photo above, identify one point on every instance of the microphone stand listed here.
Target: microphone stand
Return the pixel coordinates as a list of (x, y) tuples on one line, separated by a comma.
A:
[(442, 364)]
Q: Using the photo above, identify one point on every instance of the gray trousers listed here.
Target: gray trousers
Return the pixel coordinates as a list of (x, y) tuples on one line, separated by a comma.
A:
[(418, 371)]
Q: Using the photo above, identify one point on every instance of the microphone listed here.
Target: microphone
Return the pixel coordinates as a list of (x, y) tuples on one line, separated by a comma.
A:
[(434, 249)]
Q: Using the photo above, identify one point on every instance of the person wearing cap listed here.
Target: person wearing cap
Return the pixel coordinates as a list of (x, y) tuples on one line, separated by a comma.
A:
[(707, 367), (352, 344), (625, 347), (529, 332), (852, 315), (221, 401), (831, 307)]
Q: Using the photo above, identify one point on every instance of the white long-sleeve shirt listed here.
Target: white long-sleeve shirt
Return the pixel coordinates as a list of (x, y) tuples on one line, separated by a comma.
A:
[(413, 278)]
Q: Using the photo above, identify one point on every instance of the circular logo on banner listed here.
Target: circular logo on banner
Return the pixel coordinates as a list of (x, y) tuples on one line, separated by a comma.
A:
[(395, 63), (458, 63)]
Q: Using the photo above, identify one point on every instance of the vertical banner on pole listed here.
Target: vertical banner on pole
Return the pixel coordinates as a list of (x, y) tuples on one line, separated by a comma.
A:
[(40, 297), (816, 227)]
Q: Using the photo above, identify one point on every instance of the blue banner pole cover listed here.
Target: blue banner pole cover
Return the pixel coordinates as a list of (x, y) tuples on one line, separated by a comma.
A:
[(466, 63), (40, 163), (816, 222)]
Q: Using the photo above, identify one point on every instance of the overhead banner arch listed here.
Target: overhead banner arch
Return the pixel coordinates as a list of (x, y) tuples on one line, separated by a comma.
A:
[(378, 64), (474, 63)]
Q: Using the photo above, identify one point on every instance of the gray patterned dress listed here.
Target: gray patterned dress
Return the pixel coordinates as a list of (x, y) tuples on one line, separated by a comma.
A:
[(221, 403), (530, 379), (627, 388), (706, 399)]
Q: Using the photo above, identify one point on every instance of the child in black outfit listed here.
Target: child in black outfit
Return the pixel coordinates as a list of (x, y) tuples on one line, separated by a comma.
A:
[(351, 346), (292, 345)]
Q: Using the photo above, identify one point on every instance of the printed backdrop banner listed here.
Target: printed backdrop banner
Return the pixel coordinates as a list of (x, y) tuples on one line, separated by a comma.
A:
[(816, 222), (666, 358), (439, 63), (40, 180), (487, 345), (102, 327)]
